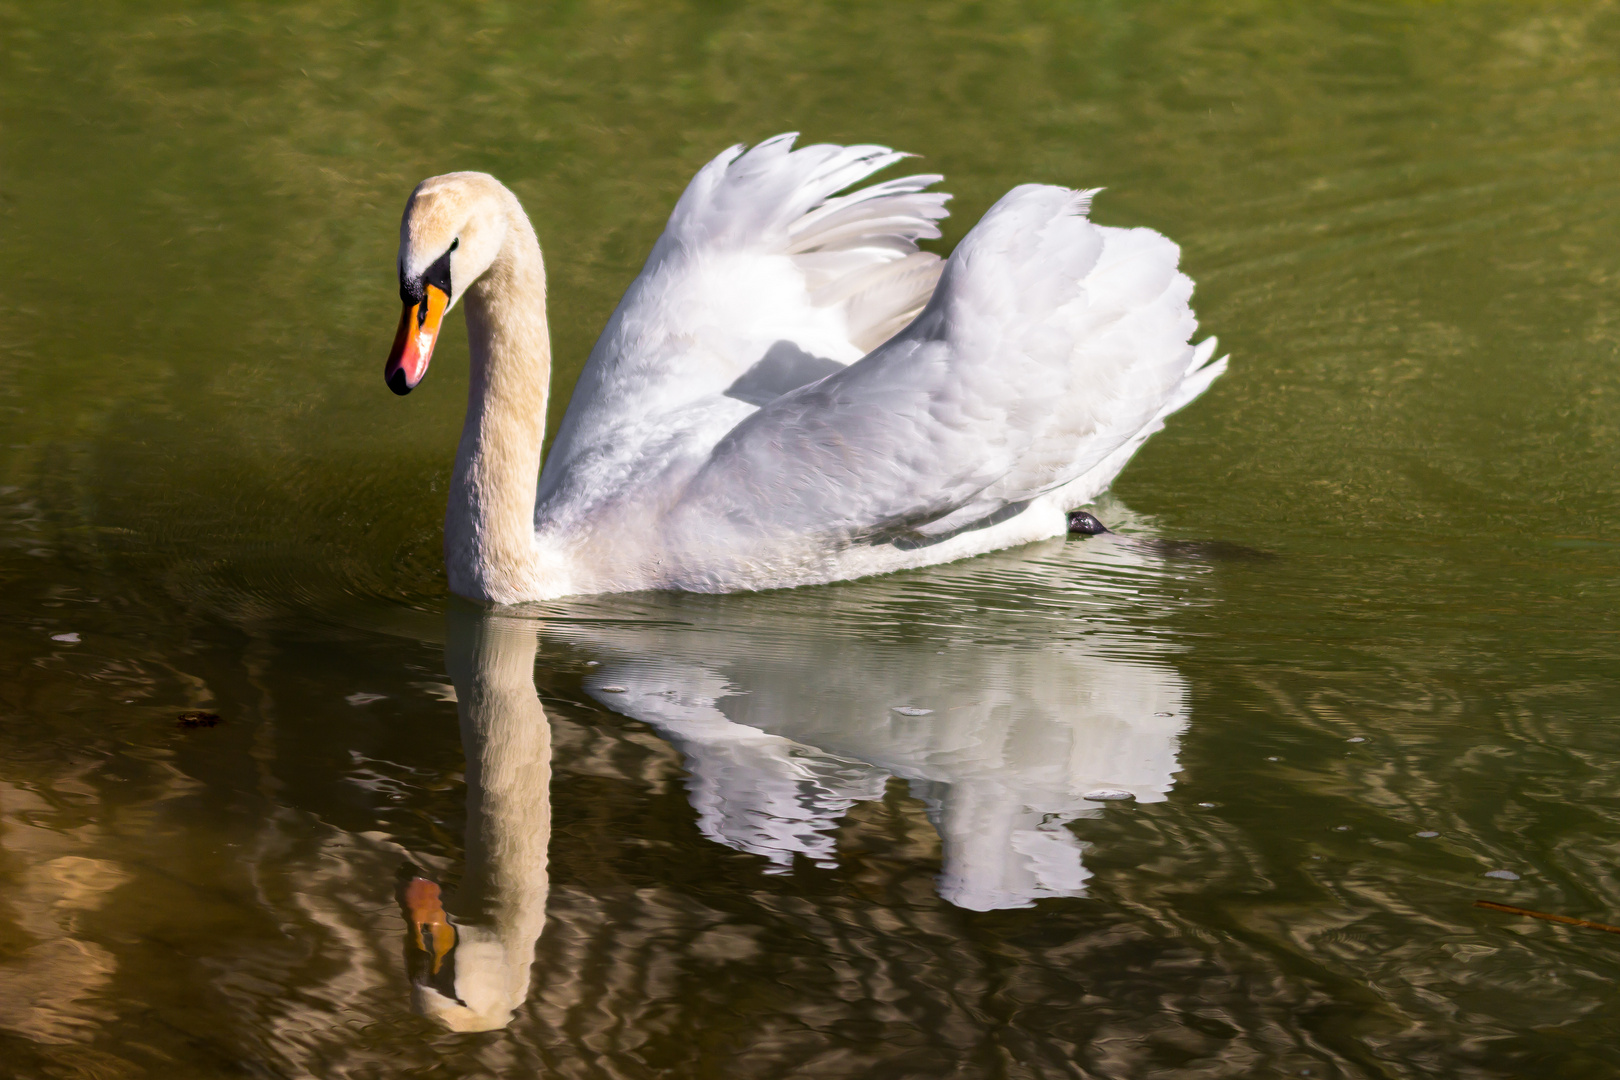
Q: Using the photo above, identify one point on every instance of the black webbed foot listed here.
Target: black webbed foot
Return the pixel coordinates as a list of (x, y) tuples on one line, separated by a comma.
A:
[(1085, 524)]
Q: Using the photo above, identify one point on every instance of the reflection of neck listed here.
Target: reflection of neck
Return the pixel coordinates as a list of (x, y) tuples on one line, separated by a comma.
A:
[(489, 523), (501, 905)]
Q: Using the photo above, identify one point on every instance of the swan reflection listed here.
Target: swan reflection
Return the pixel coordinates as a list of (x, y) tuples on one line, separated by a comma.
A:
[(1000, 699), (784, 723), (1003, 746), (470, 966)]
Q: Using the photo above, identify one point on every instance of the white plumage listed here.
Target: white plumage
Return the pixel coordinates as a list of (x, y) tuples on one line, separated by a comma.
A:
[(791, 392)]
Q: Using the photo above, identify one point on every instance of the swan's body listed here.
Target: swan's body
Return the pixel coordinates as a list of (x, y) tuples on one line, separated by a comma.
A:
[(791, 392)]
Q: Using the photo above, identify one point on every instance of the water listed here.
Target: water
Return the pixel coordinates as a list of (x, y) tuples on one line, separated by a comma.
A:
[(1351, 651)]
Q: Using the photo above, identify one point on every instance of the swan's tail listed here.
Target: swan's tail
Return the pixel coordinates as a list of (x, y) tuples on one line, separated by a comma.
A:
[(1076, 333), (1200, 373)]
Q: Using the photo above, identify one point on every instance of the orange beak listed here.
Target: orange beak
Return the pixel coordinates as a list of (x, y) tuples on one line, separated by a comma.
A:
[(430, 929), (413, 344)]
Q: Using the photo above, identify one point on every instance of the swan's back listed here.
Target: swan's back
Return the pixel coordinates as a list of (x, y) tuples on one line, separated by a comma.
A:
[(786, 396)]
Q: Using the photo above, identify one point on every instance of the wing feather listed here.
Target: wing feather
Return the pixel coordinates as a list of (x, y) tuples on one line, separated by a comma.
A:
[(1048, 351), (761, 255)]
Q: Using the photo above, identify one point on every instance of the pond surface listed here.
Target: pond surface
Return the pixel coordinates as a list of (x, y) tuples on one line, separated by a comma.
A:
[(1352, 649)]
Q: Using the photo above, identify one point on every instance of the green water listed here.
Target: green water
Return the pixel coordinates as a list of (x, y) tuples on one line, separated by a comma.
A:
[(1371, 576)]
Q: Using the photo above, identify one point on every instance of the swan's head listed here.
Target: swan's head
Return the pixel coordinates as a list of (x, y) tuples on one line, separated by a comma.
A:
[(454, 226), (463, 977)]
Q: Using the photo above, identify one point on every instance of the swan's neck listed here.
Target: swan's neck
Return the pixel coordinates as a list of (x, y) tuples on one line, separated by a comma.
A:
[(489, 544), (507, 740), (500, 905)]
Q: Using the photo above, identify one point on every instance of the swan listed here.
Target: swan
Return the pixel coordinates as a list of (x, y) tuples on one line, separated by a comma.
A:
[(791, 392)]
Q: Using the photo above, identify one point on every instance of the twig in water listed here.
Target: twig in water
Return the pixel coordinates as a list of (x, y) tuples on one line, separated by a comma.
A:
[(1588, 923)]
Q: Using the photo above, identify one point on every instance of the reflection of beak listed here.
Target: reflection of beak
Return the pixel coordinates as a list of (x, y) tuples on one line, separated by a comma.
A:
[(413, 344), (430, 930)]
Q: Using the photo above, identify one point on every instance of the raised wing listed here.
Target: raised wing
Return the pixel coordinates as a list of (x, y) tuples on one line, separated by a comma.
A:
[(1050, 349), (764, 279)]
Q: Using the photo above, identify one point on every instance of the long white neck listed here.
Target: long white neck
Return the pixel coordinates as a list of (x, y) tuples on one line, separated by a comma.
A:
[(489, 545)]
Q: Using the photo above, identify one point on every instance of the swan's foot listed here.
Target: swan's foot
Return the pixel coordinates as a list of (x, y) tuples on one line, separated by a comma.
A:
[(1085, 524)]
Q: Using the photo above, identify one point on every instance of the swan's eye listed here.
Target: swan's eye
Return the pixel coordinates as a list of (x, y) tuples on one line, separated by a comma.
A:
[(439, 273), (455, 243)]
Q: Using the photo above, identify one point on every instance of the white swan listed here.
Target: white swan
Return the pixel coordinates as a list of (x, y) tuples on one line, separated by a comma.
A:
[(790, 392)]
